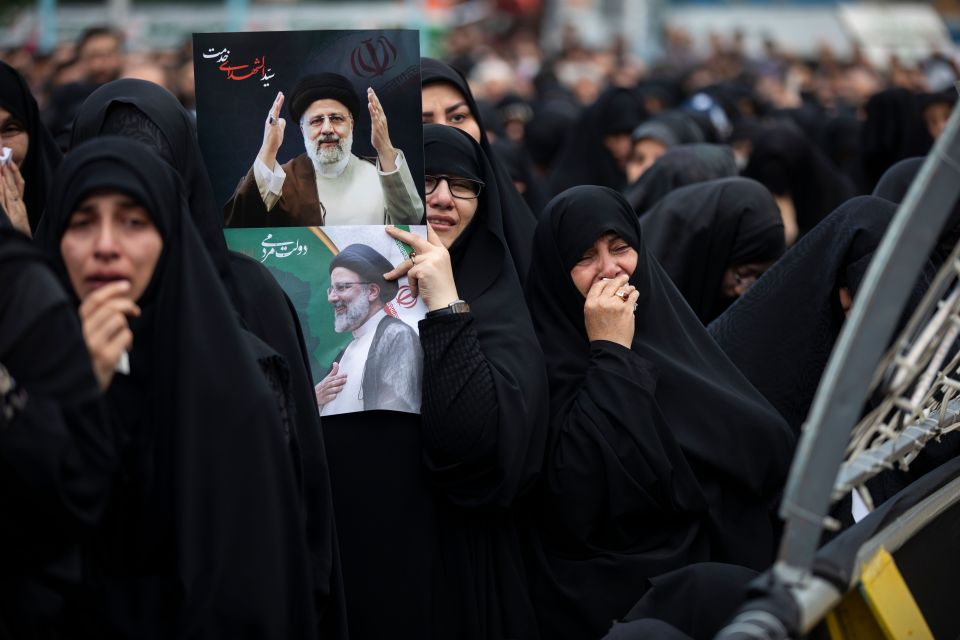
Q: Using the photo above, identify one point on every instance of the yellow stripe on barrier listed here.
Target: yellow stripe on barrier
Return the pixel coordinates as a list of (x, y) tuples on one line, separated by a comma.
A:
[(881, 607)]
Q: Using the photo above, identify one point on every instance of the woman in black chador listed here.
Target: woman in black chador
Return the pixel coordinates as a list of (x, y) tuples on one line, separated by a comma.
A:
[(426, 504), (24, 184), (150, 114), (781, 332), (660, 453), (447, 99), (680, 166), (714, 239), (205, 535), (597, 150)]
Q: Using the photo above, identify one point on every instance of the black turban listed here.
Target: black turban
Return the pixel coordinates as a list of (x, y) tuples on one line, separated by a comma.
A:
[(323, 86), (369, 265)]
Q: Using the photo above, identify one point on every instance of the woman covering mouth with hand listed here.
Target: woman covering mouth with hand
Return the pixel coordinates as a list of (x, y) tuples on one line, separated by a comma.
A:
[(204, 535)]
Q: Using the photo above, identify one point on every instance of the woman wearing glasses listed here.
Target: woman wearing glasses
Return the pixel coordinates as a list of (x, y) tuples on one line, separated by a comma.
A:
[(425, 504)]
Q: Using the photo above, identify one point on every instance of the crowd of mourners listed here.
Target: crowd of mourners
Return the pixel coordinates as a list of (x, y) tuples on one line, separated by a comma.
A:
[(656, 262)]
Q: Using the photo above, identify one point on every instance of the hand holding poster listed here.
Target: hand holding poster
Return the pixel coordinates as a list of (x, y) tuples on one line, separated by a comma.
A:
[(360, 328)]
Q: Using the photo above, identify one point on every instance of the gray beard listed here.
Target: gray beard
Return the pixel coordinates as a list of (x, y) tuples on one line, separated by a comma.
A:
[(354, 316), (330, 162)]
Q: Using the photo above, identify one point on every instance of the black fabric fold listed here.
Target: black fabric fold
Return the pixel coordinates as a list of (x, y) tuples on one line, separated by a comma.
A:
[(697, 232), (785, 161), (682, 165), (57, 454), (781, 332), (584, 159)]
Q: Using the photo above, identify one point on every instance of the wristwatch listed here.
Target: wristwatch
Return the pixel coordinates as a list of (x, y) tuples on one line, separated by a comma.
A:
[(457, 306)]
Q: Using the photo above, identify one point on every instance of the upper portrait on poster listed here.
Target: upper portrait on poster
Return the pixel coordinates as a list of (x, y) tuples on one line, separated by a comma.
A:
[(308, 128)]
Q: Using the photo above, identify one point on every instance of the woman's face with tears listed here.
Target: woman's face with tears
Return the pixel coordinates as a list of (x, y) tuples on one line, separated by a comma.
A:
[(110, 236), (609, 257)]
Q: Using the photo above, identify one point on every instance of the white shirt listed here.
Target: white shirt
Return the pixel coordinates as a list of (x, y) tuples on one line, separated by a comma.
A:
[(350, 398), (356, 196)]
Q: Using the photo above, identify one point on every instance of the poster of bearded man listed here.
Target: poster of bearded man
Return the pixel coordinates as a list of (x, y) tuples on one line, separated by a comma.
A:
[(320, 128), (360, 329)]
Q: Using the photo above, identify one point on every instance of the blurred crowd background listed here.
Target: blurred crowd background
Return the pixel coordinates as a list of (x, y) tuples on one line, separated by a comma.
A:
[(846, 76)]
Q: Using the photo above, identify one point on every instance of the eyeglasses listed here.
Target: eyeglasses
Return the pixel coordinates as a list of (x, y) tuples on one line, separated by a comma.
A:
[(341, 287), (336, 120), (463, 188)]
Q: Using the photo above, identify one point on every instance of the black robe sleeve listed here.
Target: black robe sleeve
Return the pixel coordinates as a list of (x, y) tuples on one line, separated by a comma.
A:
[(612, 465), (477, 422), (619, 502), (56, 456)]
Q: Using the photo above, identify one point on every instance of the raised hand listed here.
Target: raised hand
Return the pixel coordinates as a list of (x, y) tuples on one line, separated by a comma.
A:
[(328, 388), (273, 128), (103, 315), (11, 196), (429, 271), (608, 313), (380, 133)]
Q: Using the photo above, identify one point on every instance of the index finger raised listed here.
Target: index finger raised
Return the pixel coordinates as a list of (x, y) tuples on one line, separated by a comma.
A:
[(417, 242), (277, 103)]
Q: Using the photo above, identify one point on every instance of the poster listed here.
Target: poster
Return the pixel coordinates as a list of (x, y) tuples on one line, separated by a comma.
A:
[(306, 128), (348, 313)]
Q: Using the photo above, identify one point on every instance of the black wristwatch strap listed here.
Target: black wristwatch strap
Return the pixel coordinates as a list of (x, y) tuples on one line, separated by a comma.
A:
[(457, 306)]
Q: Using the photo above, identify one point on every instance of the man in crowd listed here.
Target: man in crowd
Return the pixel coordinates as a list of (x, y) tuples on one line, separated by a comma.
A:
[(382, 367), (99, 54), (328, 184)]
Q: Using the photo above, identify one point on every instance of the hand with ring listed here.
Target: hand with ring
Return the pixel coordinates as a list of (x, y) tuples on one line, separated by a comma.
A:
[(273, 129), (429, 271), (606, 314)]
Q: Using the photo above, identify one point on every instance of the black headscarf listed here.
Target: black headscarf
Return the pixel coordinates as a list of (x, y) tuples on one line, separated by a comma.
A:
[(680, 166), (785, 161), (487, 280), (895, 181), (149, 113), (518, 165), (652, 449), (206, 536), (698, 232), (518, 220), (893, 186), (43, 155), (670, 129), (158, 120), (546, 133), (893, 130), (584, 158), (57, 454), (780, 333)]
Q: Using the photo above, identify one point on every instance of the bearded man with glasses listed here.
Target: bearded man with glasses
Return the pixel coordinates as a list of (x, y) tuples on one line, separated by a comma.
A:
[(382, 367), (328, 184)]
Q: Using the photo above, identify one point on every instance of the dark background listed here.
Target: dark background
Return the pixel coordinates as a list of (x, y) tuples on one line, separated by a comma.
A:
[(231, 113)]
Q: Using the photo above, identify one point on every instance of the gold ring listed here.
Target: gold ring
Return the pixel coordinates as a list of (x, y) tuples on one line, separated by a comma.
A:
[(623, 295), (413, 257)]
